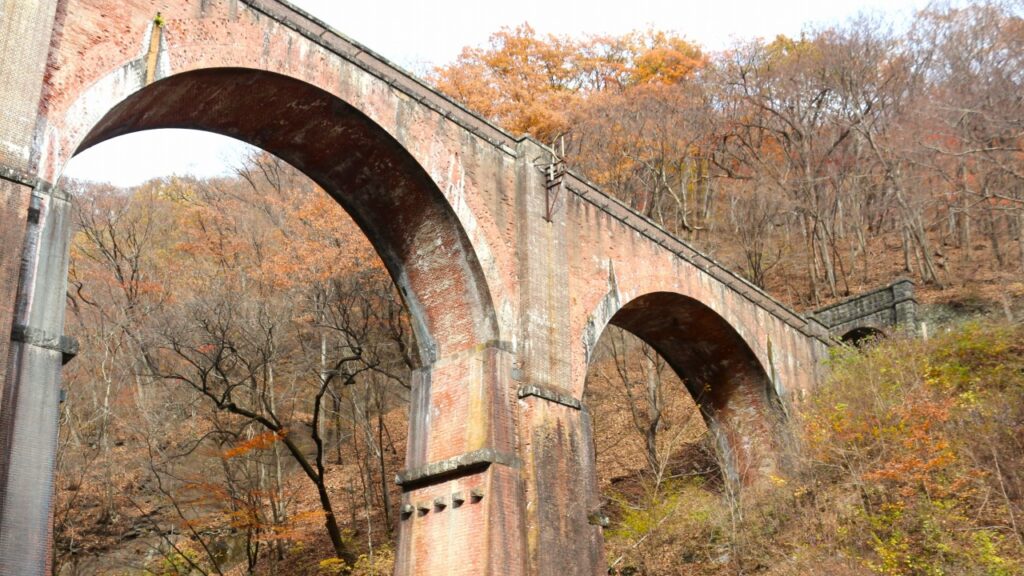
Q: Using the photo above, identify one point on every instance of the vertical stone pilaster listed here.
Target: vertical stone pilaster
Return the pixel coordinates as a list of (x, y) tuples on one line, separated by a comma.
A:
[(542, 245), (556, 446), (906, 305), (564, 516), (461, 507)]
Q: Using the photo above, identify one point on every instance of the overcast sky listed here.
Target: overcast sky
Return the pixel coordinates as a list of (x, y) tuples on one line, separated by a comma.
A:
[(420, 34)]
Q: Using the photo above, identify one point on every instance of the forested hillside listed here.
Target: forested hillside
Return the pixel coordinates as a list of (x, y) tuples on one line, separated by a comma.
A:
[(239, 405), (245, 362), (817, 165)]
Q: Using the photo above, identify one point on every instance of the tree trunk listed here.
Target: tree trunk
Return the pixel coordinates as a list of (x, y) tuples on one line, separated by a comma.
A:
[(330, 522), (1020, 237), (653, 412), (993, 235), (386, 497), (906, 249)]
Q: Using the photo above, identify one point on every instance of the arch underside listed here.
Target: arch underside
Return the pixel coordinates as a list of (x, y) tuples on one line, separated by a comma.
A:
[(728, 383), (385, 190), (862, 335)]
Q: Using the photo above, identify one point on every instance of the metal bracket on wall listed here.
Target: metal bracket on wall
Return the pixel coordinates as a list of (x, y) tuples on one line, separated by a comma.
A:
[(554, 172), (549, 394)]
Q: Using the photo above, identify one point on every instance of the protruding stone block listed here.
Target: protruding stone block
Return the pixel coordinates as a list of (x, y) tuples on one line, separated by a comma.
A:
[(458, 499), (407, 511)]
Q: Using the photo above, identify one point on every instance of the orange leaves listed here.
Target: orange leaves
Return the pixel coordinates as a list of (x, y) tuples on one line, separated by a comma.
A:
[(666, 59), (226, 234), (520, 80), (919, 449), (624, 109), (897, 431), (533, 84), (260, 441), (924, 434)]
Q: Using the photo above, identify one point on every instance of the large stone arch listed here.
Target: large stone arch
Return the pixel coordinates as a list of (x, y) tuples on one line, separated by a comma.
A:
[(735, 393), (121, 50), (503, 259), (386, 191), (411, 178)]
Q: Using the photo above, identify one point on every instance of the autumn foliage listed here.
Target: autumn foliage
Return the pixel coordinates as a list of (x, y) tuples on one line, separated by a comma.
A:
[(927, 435), (818, 165), (911, 465), (245, 358), (240, 402)]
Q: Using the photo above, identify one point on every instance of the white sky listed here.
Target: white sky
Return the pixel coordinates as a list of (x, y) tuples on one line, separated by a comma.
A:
[(419, 34)]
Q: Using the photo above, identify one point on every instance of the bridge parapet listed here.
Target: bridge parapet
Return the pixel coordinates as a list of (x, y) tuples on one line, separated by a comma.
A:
[(883, 310), (630, 218)]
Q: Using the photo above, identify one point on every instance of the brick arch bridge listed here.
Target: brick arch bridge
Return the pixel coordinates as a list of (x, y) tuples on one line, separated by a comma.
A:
[(511, 269)]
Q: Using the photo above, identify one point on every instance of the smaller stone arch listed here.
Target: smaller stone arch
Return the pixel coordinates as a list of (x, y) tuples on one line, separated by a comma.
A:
[(873, 313), (862, 335), (734, 392)]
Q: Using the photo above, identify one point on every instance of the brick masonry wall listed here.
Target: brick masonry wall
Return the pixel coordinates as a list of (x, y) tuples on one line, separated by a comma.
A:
[(560, 490), (505, 291)]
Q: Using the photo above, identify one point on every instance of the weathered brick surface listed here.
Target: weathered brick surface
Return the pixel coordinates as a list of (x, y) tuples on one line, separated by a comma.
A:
[(561, 490), (504, 291), (483, 535)]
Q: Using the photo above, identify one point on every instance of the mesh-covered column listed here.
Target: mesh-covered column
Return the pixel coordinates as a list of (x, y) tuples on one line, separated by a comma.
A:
[(26, 28), (31, 394), (33, 264)]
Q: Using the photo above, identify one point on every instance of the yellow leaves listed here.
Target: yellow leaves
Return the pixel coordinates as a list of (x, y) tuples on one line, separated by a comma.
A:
[(909, 423), (334, 566)]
